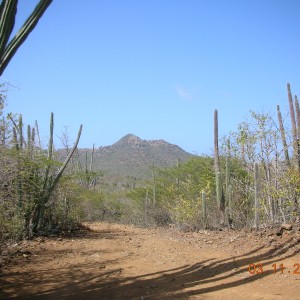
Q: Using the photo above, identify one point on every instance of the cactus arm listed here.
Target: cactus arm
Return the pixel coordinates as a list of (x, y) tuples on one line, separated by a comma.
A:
[(23, 33), (8, 10), (12, 120)]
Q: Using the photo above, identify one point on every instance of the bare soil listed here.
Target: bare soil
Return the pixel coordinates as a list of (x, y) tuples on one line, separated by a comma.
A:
[(112, 261)]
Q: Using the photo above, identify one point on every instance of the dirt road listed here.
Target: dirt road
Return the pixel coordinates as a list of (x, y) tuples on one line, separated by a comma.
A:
[(124, 262)]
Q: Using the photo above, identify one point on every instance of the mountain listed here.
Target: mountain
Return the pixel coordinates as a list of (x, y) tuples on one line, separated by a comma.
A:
[(133, 157)]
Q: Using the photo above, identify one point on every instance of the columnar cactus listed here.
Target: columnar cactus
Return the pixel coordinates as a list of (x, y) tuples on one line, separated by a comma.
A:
[(219, 187), (204, 212), (297, 108), (256, 198), (283, 137), (227, 179), (294, 128), (219, 190), (20, 132), (228, 198)]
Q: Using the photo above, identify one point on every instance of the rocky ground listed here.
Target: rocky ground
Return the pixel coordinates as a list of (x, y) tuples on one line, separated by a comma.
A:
[(112, 261)]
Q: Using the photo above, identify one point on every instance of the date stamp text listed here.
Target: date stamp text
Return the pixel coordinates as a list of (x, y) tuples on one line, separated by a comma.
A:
[(256, 269)]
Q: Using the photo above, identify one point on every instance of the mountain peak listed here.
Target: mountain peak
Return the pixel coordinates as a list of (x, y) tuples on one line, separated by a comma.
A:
[(129, 139), (132, 156)]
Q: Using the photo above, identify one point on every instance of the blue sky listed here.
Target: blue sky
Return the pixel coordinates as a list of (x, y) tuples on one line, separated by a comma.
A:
[(155, 68)]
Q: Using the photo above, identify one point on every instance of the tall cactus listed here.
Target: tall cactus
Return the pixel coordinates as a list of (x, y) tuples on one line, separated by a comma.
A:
[(219, 187), (15, 139), (28, 137), (21, 140), (294, 128), (256, 199), (204, 210), (227, 173), (219, 190), (8, 45), (283, 137), (229, 207), (153, 186), (297, 108), (3, 131), (38, 134), (228, 198), (50, 154)]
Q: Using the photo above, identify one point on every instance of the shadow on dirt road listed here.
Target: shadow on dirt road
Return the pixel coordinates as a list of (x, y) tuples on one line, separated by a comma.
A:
[(88, 280)]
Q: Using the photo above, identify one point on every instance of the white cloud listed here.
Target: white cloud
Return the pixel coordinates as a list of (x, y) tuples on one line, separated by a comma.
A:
[(183, 92)]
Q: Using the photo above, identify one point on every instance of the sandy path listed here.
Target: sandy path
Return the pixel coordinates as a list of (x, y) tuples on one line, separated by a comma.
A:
[(124, 262)]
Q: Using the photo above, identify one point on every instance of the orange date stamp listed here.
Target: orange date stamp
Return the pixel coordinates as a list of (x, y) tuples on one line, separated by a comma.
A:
[(256, 269)]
